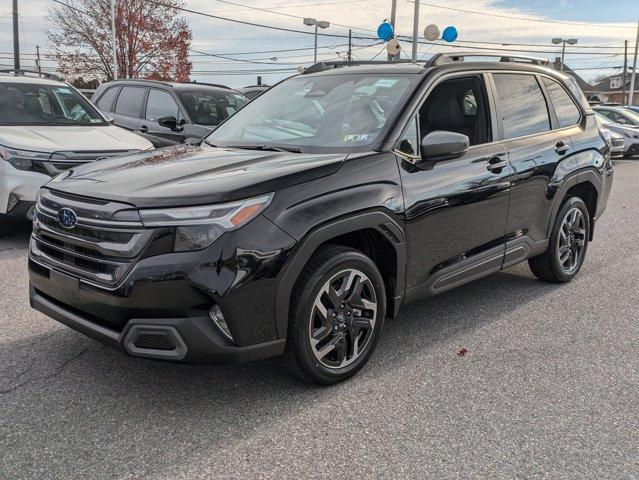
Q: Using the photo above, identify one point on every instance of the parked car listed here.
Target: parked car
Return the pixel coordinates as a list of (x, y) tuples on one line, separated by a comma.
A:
[(47, 127), (633, 108), (253, 91), (168, 113), (624, 139), (620, 115), (321, 208)]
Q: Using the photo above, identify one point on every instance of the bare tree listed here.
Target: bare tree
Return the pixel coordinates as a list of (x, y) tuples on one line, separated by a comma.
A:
[(152, 39)]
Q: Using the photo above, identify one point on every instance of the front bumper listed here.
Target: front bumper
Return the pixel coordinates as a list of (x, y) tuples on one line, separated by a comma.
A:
[(191, 339), (21, 183)]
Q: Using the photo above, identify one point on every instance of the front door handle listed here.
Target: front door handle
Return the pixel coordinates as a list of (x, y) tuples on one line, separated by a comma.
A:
[(144, 129), (561, 147), (496, 164)]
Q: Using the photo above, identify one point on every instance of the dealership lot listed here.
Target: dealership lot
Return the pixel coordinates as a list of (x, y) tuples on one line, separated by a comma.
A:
[(549, 386)]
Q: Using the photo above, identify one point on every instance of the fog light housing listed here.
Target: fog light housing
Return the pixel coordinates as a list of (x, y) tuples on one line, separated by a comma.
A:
[(13, 201), (220, 322)]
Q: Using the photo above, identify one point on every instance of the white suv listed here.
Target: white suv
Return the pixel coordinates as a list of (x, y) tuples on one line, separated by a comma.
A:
[(46, 127)]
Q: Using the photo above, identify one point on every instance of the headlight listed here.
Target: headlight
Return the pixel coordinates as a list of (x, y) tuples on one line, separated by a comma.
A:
[(605, 134), (21, 159), (198, 227)]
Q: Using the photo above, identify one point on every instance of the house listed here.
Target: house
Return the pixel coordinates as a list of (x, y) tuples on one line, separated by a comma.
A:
[(611, 89)]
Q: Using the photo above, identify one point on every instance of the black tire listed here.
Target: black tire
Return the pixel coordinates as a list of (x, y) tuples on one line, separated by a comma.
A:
[(300, 356), (547, 266)]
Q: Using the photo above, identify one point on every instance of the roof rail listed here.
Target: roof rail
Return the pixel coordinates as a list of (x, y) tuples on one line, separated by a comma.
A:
[(22, 71), (328, 65), (219, 85), (133, 80), (443, 58)]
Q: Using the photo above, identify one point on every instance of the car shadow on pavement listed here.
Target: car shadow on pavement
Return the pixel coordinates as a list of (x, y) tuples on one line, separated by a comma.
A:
[(126, 404)]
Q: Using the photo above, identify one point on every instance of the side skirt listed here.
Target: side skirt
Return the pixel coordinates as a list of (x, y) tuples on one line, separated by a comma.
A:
[(477, 266)]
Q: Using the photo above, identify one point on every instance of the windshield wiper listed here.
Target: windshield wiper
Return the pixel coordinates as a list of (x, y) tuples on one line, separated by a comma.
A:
[(271, 148)]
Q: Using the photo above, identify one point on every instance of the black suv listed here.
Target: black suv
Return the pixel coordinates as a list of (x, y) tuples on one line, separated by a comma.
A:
[(319, 209), (167, 113)]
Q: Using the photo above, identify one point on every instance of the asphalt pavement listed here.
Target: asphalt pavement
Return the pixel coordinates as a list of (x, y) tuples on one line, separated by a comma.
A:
[(548, 387)]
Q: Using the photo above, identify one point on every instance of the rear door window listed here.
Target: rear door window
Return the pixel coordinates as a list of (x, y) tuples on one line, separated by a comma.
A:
[(522, 107), (567, 112), (106, 100), (130, 101)]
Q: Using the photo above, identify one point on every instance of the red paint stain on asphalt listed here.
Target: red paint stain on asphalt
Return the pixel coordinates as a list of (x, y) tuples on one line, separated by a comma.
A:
[(462, 352)]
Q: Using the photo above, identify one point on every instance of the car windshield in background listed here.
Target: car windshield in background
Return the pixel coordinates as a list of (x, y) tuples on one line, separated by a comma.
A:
[(331, 113), (212, 108), (33, 104)]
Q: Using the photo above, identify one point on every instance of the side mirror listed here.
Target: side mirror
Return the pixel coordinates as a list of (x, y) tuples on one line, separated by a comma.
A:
[(442, 145), (171, 122), (109, 119)]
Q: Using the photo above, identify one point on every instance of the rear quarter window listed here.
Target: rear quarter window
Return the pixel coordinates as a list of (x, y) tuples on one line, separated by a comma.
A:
[(567, 112), (105, 103)]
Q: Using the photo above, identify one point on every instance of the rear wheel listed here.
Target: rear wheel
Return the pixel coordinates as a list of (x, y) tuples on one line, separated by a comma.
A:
[(568, 244), (337, 310)]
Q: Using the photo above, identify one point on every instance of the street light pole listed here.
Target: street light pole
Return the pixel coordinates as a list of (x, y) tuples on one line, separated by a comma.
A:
[(415, 33), (563, 41), (16, 41), (317, 24), (633, 74), (392, 22)]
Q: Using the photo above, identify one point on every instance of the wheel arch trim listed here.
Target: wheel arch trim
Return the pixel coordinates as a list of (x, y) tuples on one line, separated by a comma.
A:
[(376, 220), (575, 178)]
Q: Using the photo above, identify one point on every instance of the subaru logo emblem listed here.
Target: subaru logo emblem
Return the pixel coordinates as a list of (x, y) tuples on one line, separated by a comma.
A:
[(67, 217)]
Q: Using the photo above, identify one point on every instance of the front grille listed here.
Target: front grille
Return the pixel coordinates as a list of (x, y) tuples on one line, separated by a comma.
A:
[(97, 248), (617, 142)]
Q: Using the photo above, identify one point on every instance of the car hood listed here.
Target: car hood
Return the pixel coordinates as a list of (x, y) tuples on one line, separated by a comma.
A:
[(189, 175), (51, 139), (622, 129)]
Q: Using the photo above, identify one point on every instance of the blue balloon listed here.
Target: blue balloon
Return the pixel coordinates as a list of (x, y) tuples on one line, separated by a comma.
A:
[(449, 34), (385, 31)]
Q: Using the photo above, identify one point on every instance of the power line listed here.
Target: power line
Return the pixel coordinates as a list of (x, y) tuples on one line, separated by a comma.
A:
[(528, 19)]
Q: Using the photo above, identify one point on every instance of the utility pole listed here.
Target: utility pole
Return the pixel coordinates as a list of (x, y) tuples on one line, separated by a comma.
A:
[(415, 31), (392, 21), (16, 37), (625, 67), (633, 74), (38, 64), (115, 57), (350, 50)]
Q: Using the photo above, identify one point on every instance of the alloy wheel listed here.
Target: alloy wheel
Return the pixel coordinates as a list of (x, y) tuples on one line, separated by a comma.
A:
[(343, 318), (571, 240)]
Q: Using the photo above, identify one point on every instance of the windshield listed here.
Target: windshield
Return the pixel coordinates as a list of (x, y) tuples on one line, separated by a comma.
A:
[(212, 107), (632, 116), (603, 120), (330, 113), (33, 104)]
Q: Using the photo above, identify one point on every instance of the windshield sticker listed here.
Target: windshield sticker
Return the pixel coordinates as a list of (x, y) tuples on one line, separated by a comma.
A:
[(95, 120), (64, 90), (239, 97), (359, 137), (385, 82)]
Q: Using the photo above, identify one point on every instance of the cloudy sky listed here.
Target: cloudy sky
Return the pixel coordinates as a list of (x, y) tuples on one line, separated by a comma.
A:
[(594, 22)]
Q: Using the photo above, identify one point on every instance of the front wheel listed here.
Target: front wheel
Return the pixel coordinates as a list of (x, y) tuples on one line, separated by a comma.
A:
[(567, 244), (337, 310)]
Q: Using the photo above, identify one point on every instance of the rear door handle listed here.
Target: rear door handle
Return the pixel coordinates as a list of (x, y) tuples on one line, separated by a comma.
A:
[(561, 147), (496, 164), (144, 129)]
